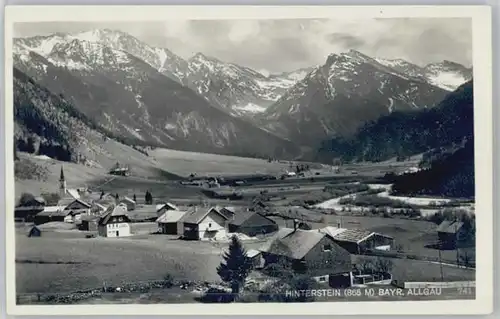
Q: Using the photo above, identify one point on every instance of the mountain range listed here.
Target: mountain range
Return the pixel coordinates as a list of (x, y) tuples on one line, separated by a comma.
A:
[(150, 96)]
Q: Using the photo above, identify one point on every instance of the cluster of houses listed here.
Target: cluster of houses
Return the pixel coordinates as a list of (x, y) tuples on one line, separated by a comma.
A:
[(324, 254)]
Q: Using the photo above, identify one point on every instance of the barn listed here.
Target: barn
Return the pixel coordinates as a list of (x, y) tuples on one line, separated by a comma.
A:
[(204, 224), (356, 241), (169, 222), (251, 223)]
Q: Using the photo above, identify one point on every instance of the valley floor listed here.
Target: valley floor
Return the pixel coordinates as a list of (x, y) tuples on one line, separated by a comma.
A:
[(62, 261)]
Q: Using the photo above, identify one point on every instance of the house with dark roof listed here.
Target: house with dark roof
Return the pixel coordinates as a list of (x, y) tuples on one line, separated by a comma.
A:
[(204, 224), (312, 253), (251, 223), (114, 222), (356, 241), (448, 233)]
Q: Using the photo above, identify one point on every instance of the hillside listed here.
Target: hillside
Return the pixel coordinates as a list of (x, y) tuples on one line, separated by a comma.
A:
[(401, 134), (47, 124), (450, 175)]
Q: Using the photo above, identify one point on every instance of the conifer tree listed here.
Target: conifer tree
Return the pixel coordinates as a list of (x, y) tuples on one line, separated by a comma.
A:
[(236, 266)]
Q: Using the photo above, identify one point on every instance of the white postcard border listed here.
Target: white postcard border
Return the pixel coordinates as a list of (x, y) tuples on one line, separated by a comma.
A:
[(482, 63)]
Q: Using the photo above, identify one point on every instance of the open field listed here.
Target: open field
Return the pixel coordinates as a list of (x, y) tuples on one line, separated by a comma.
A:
[(113, 261), (88, 263)]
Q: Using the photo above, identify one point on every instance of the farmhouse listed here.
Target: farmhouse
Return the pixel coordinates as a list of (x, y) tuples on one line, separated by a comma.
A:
[(130, 203), (311, 253), (251, 223), (114, 223), (204, 224), (449, 231), (169, 222), (356, 241)]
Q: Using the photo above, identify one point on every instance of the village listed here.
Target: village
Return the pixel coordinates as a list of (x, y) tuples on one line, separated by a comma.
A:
[(332, 241)]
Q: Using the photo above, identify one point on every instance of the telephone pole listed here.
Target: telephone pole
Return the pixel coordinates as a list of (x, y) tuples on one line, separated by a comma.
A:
[(440, 262)]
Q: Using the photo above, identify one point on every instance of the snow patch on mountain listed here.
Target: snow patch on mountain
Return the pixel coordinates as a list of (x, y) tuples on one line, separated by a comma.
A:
[(250, 108)]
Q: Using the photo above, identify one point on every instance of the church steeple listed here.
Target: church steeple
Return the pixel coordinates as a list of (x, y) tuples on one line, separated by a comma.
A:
[(62, 183)]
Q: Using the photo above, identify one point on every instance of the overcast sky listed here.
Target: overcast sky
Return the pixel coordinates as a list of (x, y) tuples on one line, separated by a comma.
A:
[(285, 45)]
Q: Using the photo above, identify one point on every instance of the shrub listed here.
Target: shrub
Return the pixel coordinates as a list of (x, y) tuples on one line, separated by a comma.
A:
[(26, 199), (168, 280)]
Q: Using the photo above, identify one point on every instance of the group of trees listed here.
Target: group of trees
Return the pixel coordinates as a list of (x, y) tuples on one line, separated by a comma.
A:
[(450, 175), (148, 198)]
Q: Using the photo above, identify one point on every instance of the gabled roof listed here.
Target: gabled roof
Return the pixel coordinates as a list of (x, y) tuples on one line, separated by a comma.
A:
[(353, 235), (296, 244), (241, 216), (113, 211), (197, 215), (281, 233), (449, 226), (169, 205), (349, 235), (171, 216), (81, 202)]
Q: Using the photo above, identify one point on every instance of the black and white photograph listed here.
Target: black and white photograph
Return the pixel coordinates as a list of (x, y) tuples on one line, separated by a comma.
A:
[(175, 157)]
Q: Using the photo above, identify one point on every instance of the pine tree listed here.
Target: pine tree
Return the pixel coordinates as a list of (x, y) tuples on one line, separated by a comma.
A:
[(236, 266)]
